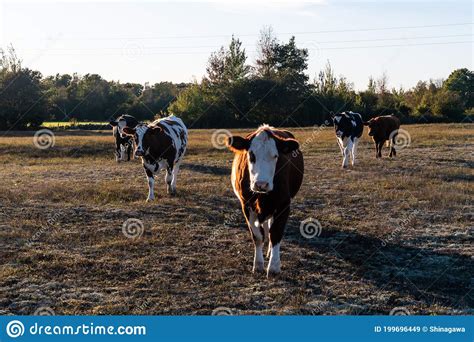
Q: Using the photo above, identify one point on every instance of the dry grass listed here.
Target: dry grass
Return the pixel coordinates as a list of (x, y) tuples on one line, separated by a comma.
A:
[(395, 233)]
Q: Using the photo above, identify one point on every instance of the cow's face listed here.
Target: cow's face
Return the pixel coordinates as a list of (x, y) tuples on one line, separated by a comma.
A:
[(373, 126), (138, 134), (124, 121), (262, 152), (342, 124)]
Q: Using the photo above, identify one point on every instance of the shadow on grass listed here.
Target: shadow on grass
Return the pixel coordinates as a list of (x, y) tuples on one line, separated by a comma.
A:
[(425, 274)]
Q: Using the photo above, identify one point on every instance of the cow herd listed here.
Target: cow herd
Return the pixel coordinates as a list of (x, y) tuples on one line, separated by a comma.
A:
[(267, 171)]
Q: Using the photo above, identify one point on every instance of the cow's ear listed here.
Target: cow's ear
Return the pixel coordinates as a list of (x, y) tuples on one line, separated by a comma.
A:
[(236, 143), (286, 145), (128, 130), (156, 128), (113, 123)]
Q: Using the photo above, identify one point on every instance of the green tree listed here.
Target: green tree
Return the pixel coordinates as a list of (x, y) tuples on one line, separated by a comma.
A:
[(461, 81)]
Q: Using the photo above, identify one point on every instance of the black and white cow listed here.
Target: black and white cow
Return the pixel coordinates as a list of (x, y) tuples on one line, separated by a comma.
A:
[(123, 146), (349, 128), (124, 121), (161, 145), (123, 143)]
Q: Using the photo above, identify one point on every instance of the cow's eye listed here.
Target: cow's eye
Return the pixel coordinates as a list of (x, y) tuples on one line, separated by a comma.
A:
[(252, 157), (275, 156)]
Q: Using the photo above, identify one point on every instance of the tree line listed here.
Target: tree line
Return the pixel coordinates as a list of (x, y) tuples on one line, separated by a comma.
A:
[(275, 89)]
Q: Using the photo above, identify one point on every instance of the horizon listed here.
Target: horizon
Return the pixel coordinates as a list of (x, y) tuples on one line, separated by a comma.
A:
[(148, 43)]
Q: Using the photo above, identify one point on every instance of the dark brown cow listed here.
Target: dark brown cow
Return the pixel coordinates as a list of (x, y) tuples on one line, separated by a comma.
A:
[(267, 172), (381, 129)]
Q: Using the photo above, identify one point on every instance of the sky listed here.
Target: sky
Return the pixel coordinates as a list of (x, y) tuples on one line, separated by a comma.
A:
[(153, 41)]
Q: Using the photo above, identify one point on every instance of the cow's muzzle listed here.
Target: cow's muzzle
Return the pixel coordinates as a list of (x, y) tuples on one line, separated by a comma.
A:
[(139, 153)]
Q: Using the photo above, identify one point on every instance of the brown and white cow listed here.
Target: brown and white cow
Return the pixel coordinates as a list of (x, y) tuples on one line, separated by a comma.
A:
[(161, 145), (267, 172), (381, 129)]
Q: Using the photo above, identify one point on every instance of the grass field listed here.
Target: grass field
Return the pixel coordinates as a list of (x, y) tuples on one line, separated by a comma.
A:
[(395, 233)]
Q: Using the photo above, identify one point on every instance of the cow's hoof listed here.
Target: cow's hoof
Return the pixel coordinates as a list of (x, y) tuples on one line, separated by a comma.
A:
[(257, 269), (273, 273), (150, 199)]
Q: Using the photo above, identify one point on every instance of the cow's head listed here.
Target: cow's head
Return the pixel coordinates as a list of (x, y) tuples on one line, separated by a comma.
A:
[(262, 149), (342, 124), (124, 121), (373, 125), (142, 136)]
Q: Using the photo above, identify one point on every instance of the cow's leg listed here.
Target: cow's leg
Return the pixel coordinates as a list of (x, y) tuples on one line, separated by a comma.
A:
[(266, 231), (257, 237), (175, 177), (354, 150), (380, 148), (129, 151), (276, 234), (341, 146), (117, 153), (168, 179), (393, 152), (151, 185), (347, 152)]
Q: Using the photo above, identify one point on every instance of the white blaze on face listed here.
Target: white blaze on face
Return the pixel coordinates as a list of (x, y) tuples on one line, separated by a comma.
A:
[(120, 126), (140, 133), (262, 158)]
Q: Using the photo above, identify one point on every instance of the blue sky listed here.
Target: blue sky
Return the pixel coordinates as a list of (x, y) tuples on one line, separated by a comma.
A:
[(155, 41)]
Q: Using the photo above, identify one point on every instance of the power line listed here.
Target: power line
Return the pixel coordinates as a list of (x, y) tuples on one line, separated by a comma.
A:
[(215, 46), (138, 54), (277, 33)]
